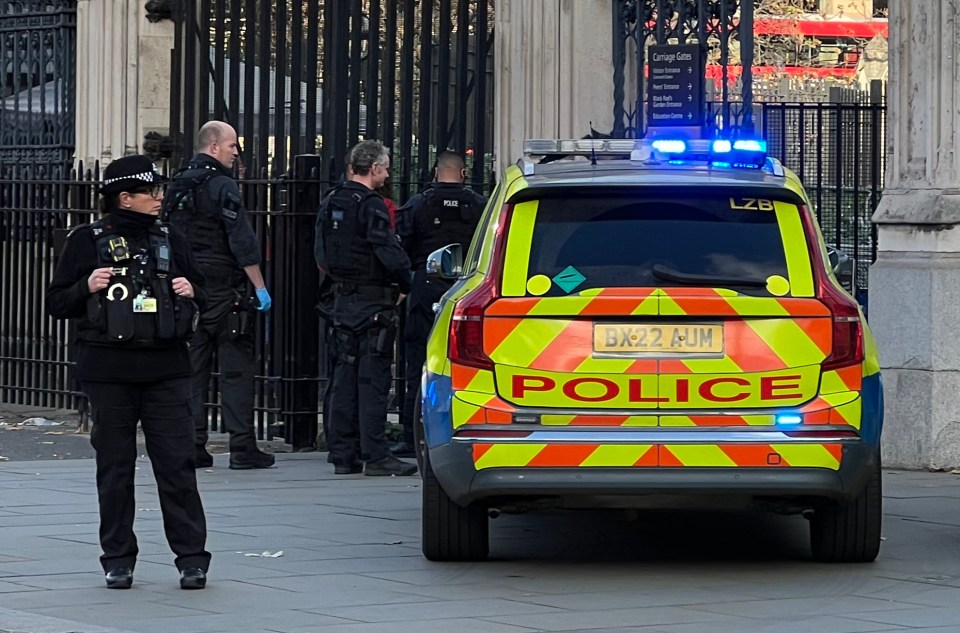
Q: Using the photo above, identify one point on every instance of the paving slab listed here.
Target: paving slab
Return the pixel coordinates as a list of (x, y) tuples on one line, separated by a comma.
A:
[(350, 563)]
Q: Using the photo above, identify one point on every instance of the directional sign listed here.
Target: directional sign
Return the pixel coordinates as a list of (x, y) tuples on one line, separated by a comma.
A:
[(676, 85)]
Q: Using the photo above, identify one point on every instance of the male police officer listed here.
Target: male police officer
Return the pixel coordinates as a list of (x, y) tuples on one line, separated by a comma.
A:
[(445, 213), (204, 201), (359, 250)]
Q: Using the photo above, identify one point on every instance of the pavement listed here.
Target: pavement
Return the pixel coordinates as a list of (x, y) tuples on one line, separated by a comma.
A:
[(297, 549)]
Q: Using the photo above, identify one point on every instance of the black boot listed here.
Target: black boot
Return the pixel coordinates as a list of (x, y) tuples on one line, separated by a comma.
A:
[(120, 578), (390, 466), (193, 578), (248, 460)]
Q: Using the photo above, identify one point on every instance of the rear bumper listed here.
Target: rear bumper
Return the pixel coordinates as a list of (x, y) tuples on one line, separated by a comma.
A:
[(454, 467)]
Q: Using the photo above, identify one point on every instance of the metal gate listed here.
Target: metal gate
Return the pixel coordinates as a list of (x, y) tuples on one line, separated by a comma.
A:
[(835, 143), (302, 81), (37, 90), (37, 81)]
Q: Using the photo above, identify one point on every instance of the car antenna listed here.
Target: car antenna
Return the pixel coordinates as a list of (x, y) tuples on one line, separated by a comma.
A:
[(593, 148)]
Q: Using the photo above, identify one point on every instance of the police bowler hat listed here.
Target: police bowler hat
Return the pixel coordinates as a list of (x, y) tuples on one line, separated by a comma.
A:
[(129, 174)]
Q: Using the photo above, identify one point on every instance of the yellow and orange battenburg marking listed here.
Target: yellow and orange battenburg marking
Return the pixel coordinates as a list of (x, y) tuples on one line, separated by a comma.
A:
[(589, 455)]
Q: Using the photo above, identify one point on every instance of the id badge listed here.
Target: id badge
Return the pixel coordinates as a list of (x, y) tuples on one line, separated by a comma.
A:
[(143, 303)]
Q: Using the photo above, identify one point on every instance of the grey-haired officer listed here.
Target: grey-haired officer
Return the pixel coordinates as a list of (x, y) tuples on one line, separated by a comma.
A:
[(358, 248), (446, 212), (133, 289), (204, 201)]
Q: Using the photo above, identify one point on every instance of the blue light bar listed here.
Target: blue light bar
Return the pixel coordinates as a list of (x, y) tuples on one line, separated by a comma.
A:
[(750, 145), (665, 146), (789, 418), (721, 146)]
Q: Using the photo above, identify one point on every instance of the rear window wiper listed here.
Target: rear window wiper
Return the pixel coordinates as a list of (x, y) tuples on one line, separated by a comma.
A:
[(668, 274)]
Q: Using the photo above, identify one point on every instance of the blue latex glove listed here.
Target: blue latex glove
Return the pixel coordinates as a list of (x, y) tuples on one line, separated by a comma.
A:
[(263, 300)]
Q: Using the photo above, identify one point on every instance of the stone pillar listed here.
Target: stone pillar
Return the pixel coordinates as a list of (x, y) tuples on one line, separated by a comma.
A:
[(915, 283), (123, 78), (554, 71)]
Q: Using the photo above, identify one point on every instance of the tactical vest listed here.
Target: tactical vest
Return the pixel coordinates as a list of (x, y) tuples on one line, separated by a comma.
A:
[(188, 206), (139, 307), (349, 256), (448, 217)]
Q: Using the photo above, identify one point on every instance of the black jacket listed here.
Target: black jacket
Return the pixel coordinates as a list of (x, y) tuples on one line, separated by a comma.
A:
[(67, 296)]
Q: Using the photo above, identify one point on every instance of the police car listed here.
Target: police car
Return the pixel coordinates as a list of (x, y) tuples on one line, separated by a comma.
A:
[(649, 323)]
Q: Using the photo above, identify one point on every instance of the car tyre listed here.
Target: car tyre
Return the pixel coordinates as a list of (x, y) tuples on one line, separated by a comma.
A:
[(450, 532), (850, 533)]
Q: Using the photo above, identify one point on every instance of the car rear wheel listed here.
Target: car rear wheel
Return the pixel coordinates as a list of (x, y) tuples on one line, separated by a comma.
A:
[(450, 532), (850, 533)]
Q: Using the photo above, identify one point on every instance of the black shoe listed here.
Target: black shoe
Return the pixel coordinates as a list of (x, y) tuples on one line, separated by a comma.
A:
[(402, 449), (390, 466), (120, 578), (251, 459), (204, 459), (193, 578), (348, 469)]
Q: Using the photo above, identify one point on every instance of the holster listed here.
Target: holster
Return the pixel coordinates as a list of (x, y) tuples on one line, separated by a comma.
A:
[(237, 322), (383, 333), (345, 346)]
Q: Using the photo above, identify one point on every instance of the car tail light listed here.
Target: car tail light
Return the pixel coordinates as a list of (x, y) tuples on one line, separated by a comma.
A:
[(466, 326), (847, 330)]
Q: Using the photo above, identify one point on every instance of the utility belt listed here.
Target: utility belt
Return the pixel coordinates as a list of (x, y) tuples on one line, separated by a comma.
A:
[(387, 294), (221, 273)]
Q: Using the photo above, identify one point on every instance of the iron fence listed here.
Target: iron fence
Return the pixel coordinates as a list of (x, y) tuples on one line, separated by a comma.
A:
[(37, 205), (837, 150), (312, 77)]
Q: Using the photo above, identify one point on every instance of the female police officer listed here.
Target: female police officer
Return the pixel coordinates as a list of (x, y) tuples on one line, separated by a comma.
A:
[(130, 285)]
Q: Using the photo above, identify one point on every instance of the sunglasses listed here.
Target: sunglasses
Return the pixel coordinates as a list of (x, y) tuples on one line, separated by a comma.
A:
[(154, 191)]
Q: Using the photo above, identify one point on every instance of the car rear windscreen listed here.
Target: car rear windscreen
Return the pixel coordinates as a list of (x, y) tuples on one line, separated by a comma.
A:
[(633, 240)]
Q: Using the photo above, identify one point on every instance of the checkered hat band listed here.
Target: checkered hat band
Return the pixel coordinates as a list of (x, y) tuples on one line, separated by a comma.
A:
[(147, 176)]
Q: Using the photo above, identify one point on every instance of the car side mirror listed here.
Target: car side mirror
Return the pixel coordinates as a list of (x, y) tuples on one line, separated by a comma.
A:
[(445, 263), (842, 266)]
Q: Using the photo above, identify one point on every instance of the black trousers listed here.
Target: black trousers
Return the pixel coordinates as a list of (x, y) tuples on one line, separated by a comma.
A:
[(163, 410), (416, 333), (237, 368), (361, 386)]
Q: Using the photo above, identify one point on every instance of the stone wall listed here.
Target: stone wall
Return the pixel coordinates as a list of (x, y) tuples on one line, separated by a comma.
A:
[(553, 73), (123, 78)]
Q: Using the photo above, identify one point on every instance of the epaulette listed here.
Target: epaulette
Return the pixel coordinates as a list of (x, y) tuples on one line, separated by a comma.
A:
[(77, 228)]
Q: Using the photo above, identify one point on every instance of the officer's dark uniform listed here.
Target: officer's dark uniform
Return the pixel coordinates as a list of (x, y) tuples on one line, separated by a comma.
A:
[(133, 364), (444, 213), (205, 203), (362, 254)]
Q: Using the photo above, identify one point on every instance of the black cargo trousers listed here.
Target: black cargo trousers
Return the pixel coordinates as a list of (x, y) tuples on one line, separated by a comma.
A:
[(163, 411), (227, 327), (365, 328)]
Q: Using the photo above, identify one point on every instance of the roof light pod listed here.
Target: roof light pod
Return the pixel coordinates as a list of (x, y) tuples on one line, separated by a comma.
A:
[(669, 146), (750, 145), (721, 146)]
